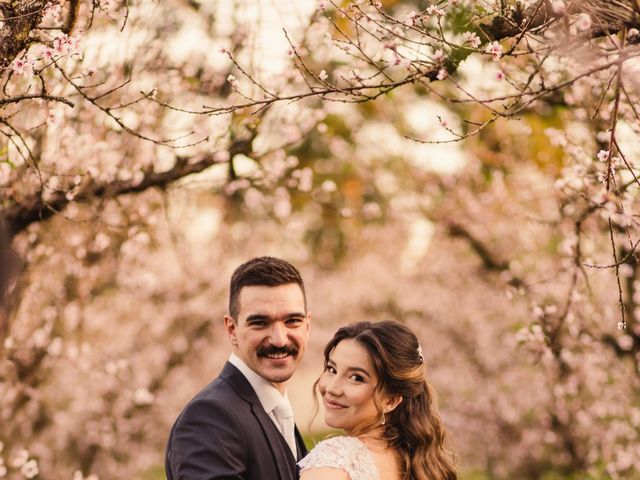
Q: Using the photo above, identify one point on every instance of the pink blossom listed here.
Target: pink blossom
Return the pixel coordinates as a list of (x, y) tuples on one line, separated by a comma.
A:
[(603, 155), (22, 66), (65, 45), (438, 56), (411, 17), (405, 63), (472, 39), (53, 14), (584, 22), (47, 54), (434, 10), (499, 75), (442, 74), (107, 5), (559, 7), (494, 49)]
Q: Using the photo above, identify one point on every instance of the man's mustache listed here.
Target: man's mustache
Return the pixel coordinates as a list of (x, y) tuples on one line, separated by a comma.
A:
[(273, 350)]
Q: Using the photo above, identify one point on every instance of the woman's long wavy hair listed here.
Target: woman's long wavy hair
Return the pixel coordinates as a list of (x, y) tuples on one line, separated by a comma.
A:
[(413, 428)]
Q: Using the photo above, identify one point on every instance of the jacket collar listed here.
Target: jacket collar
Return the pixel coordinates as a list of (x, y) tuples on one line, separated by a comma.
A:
[(280, 451)]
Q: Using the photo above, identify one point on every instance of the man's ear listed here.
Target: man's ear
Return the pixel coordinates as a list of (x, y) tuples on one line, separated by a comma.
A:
[(231, 327)]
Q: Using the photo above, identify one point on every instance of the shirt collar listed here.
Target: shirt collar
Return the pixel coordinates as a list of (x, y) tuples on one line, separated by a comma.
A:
[(268, 395)]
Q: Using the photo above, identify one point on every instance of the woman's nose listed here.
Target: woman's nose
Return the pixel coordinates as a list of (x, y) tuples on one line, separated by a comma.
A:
[(333, 386)]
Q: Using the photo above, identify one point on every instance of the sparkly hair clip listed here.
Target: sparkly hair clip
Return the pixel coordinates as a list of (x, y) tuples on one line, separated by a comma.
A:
[(420, 353)]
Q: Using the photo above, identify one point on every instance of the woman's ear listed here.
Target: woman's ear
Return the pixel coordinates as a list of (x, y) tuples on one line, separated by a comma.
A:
[(391, 403)]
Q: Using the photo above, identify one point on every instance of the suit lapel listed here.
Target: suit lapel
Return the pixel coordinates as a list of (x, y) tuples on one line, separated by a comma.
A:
[(280, 451), (278, 445), (302, 448)]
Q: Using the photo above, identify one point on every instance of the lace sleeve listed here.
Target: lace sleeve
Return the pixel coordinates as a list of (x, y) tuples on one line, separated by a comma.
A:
[(346, 453)]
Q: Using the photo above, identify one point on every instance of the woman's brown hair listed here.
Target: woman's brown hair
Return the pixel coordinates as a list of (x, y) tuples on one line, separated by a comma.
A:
[(413, 428)]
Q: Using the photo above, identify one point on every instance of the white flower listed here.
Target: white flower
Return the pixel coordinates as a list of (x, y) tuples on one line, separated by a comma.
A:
[(20, 458), (328, 186), (323, 75), (371, 211), (233, 81), (442, 74), (142, 396), (30, 469)]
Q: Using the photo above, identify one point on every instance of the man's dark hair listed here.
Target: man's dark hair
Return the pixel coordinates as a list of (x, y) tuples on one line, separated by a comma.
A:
[(262, 271)]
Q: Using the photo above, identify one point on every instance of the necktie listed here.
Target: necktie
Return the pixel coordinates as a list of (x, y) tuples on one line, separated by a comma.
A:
[(284, 416)]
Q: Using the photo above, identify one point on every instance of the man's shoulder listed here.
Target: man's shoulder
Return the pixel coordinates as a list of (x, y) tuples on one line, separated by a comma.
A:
[(225, 391)]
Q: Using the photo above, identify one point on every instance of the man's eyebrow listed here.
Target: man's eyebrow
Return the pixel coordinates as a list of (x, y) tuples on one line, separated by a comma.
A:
[(265, 317), (257, 316)]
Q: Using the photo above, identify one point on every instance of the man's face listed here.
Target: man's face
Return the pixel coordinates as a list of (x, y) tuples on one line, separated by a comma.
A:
[(271, 331)]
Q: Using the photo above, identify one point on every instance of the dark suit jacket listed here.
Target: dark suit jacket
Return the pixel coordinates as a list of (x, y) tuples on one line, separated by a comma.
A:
[(224, 433)]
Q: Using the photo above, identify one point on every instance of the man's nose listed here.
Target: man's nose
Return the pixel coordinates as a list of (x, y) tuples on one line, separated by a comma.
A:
[(278, 334)]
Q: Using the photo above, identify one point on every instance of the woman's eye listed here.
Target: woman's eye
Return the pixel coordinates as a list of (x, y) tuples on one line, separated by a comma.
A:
[(330, 369), (357, 378)]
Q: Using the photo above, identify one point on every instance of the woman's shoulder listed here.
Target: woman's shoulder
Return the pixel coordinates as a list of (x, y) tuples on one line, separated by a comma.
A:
[(345, 453), (341, 442)]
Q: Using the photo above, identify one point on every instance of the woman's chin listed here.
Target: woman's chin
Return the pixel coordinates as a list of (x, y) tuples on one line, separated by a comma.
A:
[(334, 423)]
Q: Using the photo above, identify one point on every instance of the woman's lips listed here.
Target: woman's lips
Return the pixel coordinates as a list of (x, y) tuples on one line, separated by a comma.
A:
[(332, 404)]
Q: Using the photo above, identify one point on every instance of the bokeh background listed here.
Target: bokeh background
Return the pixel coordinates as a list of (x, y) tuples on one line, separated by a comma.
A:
[(467, 168)]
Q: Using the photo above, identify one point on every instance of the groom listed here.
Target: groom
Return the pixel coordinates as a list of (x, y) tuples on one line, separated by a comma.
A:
[(241, 426)]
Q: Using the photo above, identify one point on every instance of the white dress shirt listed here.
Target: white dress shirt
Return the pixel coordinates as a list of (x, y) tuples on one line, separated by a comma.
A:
[(268, 395)]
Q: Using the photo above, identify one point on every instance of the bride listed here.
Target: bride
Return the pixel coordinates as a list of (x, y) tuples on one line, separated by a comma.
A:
[(373, 387)]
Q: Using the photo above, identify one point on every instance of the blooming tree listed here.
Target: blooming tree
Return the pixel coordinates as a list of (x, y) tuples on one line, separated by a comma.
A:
[(468, 167)]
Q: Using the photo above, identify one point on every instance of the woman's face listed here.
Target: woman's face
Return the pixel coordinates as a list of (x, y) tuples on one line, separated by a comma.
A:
[(348, 386)]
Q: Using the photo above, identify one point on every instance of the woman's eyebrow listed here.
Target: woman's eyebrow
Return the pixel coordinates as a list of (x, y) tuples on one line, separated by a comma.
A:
[(351, 369), (358, 369)]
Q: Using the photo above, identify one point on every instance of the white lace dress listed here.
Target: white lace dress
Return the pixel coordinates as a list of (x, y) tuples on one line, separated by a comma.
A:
[(345, 453)]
